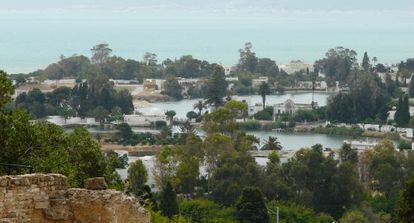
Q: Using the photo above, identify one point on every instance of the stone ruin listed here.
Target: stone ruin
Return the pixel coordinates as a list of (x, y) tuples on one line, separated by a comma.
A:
[(47, 198)]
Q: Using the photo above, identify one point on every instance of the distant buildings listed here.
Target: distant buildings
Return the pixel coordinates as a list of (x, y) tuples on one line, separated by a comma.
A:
[(60, 82), (307, 85), (258, 81), (143, 120), (124, 82), (296, 66), (361, 145), (61, 121), (154, 84), (290, 107), (229, 69), (287, 107)]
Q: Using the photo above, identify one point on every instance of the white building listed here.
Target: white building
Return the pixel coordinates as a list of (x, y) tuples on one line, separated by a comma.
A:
[(59, 120), (230, 79), (319, 85), (253, 109), (228, 69), (391, 114), (258, 81), (296, 66), (361, 145), (159, 83), (143, 120), (61, 82), (123, 82), (290, 107)]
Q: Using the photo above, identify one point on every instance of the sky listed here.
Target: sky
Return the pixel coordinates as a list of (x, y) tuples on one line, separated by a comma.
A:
[(218, 6)]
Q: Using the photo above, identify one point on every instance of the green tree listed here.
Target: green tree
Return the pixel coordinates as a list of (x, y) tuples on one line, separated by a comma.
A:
[(220, 121), (205, 211), (405, 209), (402, 115), (85, 154), (337, 64), (411, 87), (101, 53), (168, 201), (233, 172), (150, 58), (170, 115), (99, 113), (272, 143), (192, 115), (251, 207), (263, 91), (137, 177), (200, 106), (124, 132), (331, 189), (385, 169), (366, 62), (166, 166), (6, 89), (267, 67), (172, 88), (364, 216), (116, 114), (216, 87), (347, 153), (248, 60), (238, 108)]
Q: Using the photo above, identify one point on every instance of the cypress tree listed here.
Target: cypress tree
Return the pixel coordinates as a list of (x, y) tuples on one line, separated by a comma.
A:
[(406, 111), (251, 207), (402, 115), (365, 62), (168, 201), (398, 116), (411, 88)]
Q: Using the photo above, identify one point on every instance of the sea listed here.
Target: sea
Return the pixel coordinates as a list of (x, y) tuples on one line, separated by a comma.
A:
[(32, 40)]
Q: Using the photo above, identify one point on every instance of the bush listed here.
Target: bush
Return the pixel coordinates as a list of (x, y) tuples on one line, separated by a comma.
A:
[(250, 126), (205, 211), (290, 212), (266, 115), (305, 115), (354, 131), (160, 124), (404, 145)]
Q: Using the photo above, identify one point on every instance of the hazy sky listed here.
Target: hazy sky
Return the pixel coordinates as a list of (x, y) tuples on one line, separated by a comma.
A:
[(212, 5)]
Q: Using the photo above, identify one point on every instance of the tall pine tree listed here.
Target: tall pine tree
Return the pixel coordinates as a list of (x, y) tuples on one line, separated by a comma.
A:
[(216, 87), (168, 201), (251, 207)]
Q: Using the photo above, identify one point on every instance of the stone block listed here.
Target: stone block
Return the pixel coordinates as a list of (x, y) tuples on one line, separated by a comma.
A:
[(41, 204), (97, 183)]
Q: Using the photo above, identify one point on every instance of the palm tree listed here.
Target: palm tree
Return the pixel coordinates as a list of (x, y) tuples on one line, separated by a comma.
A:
[(170, 115), (264, 90), (200, 106), (272, 144), (375, 60)]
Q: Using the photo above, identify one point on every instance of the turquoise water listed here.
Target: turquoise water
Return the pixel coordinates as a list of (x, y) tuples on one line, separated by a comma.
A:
[(32, 40)]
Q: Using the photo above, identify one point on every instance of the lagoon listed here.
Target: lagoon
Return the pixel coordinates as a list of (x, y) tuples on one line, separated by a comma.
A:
[(184, 106)]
